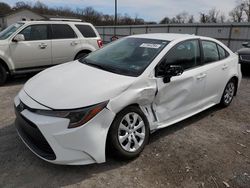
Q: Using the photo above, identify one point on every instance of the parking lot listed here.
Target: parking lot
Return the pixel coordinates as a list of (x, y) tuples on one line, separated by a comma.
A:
[(210, 149)]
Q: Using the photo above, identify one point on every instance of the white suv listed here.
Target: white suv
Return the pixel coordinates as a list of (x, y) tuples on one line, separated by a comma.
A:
[(35, 45)]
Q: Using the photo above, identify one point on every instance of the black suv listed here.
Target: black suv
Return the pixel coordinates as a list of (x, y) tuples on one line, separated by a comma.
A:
[(244, 56)]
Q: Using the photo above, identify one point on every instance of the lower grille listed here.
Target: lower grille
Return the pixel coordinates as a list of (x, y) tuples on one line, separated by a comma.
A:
[(33, 137)]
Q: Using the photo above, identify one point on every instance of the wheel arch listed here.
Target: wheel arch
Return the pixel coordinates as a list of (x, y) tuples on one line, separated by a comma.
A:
[(133, 104), (107, 144), (82, 51), (5, 65)]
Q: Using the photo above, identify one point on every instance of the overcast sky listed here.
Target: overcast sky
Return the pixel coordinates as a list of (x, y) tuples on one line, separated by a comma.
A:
[(150, 10)]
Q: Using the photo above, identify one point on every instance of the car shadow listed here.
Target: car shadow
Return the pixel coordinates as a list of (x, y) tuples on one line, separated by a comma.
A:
[(182, 124), (245, 71), (18, 80), (16, 159)]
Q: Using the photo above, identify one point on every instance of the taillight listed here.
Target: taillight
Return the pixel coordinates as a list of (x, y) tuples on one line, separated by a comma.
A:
[(100, 43)]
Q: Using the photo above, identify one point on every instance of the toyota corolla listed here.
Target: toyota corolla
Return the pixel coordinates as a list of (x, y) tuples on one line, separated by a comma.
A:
[(116, 96)]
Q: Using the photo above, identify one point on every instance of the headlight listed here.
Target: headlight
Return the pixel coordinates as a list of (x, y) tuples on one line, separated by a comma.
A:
[(77, 117)]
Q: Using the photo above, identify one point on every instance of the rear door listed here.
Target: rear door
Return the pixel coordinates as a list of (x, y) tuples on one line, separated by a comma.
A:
[(216, 67), (65, 43), (35, 50), (183, 94)]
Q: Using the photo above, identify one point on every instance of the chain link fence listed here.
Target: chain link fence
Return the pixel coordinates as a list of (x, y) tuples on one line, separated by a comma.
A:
[(232, 35)]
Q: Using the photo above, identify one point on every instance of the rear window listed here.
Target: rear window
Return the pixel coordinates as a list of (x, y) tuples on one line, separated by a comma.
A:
[(62, 31), (210, 50), (86, 31), (222, 52)]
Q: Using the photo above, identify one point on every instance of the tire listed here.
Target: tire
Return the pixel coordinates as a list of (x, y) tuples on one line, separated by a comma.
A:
[(3, 75), (228, 93), (121, 130), (80, 55)]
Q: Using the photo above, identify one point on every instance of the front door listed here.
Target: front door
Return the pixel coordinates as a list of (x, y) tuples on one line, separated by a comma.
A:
[(182, 95), (35, 50)]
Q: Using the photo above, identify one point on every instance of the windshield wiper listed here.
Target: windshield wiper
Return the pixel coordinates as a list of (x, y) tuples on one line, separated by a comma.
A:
[(96, 65)]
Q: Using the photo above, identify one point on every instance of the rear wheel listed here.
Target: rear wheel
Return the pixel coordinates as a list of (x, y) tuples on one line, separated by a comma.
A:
[(228, 93), (129, 133), (3, 75)]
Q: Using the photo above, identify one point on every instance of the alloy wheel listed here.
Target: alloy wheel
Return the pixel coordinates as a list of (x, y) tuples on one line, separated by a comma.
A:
[(131, 132), (229, 92)]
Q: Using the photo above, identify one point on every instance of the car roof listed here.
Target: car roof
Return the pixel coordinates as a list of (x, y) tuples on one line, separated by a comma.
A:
[(166, 36), (54, 22)]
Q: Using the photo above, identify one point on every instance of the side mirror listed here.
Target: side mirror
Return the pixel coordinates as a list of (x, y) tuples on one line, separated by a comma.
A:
[(172, 70), (18, 38), (246, 44)]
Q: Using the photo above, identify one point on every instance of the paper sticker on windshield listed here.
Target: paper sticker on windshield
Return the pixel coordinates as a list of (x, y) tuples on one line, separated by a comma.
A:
[(148, 45)]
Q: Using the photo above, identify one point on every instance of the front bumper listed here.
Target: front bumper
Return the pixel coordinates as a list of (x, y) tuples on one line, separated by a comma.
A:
[(50, 139)]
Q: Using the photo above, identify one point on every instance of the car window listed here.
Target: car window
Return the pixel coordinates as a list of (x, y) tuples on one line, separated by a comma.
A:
[(186, 54), (35, 32), (210, 51), (10, 30), (86, 31), (222, 52), (62, 31)]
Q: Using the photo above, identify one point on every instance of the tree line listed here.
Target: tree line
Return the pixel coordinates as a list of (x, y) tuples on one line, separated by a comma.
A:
[(241, 13), (87, 14)]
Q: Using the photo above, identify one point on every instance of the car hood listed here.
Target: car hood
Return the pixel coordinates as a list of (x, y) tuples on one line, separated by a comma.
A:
[(75, 85), (244, 51)]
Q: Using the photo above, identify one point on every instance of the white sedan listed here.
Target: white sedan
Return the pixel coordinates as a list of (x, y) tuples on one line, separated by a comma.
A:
[(115, 97)]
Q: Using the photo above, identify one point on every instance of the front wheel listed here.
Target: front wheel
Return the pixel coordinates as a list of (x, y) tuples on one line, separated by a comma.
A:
[(228, 93), (129, 133)]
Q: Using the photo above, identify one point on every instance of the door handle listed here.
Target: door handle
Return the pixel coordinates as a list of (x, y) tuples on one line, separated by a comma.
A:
[(74, 43), (224, 67), (43, 45), (201, 76)]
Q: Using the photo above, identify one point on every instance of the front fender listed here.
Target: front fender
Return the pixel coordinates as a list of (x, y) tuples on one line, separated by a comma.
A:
[(141, 93)]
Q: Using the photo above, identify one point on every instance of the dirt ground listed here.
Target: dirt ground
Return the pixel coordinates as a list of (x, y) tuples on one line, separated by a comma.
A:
[(211, 149)]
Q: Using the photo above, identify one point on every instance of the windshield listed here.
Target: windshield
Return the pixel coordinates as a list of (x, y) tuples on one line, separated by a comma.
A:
[(128, 56), (9, 30)]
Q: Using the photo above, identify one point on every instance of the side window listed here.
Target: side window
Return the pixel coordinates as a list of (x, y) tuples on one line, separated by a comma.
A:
[(62, 31), (210, 52), (186, 54), (86, 31), (222, 52), (35, 32)]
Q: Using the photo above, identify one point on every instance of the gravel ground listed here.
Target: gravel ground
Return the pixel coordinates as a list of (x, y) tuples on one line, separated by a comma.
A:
[(209, 150)]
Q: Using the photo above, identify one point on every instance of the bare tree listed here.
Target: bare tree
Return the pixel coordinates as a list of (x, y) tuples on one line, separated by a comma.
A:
[(182, 17), (204, 18), (165, 20), (213, 15), (246, 5), (222, 18), (237, 13), (22, 5), (40, 8), (191, 19), (5, 8)]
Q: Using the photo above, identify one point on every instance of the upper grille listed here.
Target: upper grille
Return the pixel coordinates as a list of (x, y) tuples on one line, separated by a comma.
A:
[(245, 58)]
